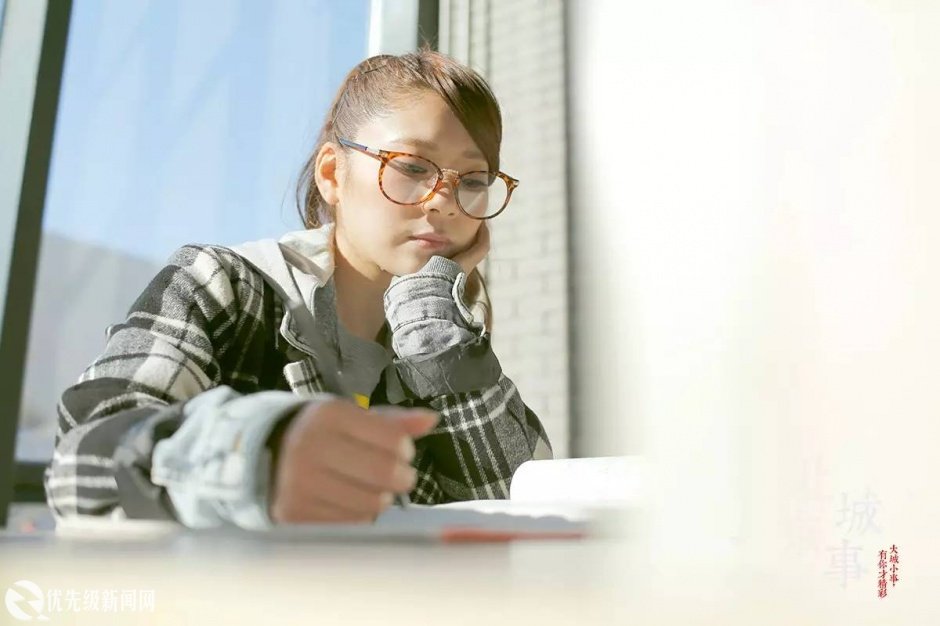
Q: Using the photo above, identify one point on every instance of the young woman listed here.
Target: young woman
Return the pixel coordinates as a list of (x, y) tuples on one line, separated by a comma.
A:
[(312, 378)]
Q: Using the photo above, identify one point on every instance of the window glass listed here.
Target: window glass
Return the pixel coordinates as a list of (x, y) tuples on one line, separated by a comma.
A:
[(179, 122)]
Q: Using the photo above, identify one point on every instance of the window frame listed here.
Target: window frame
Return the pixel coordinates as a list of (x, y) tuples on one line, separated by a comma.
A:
[(20, 234)]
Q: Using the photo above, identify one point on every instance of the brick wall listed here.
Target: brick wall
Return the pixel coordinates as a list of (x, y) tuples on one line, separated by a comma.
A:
[(518, 46)]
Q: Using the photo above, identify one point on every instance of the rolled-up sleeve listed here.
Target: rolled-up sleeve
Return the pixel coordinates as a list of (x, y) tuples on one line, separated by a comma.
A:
[(155, 428), (216, 467)]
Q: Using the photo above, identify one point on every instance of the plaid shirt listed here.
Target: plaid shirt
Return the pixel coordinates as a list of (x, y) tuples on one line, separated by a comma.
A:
[(209, 358)]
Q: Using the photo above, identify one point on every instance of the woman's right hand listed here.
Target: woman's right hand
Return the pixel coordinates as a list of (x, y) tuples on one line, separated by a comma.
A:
[(337, 462)]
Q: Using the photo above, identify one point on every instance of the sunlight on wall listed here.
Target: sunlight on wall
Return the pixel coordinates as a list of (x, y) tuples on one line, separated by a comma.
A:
[(756, 186)]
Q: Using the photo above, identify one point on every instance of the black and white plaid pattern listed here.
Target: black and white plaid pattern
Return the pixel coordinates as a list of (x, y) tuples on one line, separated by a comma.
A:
[(210, 319)]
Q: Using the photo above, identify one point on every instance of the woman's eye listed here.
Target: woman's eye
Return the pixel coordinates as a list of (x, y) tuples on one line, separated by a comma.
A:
[(474, 185)]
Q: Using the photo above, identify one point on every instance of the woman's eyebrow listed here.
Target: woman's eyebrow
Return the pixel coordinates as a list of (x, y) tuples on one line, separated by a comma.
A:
[(429, 145)]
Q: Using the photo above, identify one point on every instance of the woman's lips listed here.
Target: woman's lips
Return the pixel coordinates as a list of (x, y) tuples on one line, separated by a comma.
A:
[(430, 242)]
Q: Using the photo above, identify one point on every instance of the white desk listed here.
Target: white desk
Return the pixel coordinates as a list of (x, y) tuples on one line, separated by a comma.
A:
[(206, 578), (243, 580)]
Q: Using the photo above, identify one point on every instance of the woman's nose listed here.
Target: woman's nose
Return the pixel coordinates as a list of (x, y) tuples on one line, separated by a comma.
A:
[(443, 202)]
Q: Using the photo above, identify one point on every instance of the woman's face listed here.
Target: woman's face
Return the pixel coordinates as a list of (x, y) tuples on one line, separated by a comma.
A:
[(377, 235)]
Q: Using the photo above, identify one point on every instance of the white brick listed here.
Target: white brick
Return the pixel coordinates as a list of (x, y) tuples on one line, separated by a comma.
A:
[(527, 268)]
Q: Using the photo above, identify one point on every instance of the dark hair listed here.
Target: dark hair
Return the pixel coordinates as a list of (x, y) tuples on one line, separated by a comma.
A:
[(385, 82)]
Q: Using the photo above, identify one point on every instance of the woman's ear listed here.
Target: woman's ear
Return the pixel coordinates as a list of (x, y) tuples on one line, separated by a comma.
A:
[(327, 170)]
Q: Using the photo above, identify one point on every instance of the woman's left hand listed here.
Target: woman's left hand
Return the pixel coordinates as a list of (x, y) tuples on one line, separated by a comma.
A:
[(471, 257)]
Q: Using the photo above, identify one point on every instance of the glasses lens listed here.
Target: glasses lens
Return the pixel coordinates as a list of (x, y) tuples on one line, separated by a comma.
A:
[(408, 179), (482, 194)]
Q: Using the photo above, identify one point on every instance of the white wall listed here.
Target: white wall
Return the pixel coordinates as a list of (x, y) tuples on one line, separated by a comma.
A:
[(518, 47), (757, 211)]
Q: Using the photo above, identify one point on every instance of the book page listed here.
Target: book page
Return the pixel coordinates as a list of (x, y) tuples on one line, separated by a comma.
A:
[(554, 490), (573, 512), (482, 514), (592, 481)]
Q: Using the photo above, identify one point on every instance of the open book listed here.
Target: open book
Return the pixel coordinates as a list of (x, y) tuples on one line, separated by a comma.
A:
[(555, 497), (570, 484)]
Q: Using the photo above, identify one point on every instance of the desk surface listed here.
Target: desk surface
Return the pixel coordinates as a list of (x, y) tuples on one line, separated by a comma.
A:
[(241, 578)]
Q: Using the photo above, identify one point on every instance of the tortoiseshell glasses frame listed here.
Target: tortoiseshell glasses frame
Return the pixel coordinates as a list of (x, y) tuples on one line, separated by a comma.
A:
[(386, 155)]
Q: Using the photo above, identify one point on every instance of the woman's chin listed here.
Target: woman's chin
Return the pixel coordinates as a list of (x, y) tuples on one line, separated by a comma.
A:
[(411, 267), (416, 260), (402, 266)]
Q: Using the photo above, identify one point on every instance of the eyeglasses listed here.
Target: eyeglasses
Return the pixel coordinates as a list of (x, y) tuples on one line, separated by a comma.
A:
[(409, 179)]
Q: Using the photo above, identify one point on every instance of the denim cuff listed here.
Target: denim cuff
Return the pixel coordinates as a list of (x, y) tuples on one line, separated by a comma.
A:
[(216, 467), (426, 310)]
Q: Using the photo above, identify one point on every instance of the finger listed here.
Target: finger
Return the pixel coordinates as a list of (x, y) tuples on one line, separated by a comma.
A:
[(374, 429), (416, 424), (336, 490), (483, 236), (485, 233), (300, 501), (480, 248), (313, 510), (373, 469)]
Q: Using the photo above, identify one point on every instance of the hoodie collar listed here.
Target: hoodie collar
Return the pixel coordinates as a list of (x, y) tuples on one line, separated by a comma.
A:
[(295, 265), (297, 262)]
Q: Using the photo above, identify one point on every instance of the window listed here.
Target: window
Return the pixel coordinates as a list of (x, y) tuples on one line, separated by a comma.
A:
[(178, 122)]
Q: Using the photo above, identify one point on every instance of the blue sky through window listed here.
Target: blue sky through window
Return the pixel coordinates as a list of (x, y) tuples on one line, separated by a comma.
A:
[(187, 122), (179, 122)]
